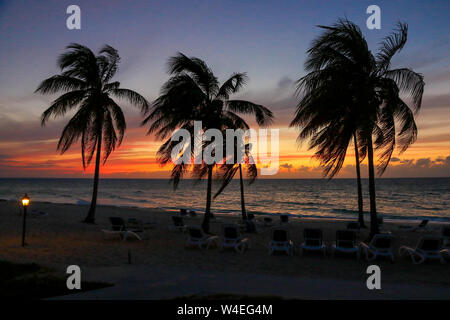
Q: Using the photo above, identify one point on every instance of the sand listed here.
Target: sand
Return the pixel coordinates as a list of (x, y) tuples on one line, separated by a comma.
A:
[(60, 239)]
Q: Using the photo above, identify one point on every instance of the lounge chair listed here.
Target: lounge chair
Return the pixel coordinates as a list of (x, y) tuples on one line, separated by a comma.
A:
[(198, 238), (380, 245), (420, 226), (119, 227), (268, 222), (313, 241), (446, 237), (281, 241), (428, 247), (232, 239), (250, 226), (178, 224), (134, 224), (284, 218), (346, 243)]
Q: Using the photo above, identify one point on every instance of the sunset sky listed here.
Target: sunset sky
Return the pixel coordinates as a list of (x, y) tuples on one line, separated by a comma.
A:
[(266, 39)]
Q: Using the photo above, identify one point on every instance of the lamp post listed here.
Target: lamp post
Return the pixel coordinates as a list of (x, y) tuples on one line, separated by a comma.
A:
[(25, 202)]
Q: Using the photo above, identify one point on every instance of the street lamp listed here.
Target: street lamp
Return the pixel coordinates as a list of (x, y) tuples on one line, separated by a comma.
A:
[(25, 202)]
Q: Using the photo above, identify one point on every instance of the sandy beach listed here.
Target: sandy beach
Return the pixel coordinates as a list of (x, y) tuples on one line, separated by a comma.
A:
[(59, 239)]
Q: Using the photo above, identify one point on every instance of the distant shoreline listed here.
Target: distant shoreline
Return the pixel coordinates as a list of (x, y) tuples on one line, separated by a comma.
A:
[(169, 210)]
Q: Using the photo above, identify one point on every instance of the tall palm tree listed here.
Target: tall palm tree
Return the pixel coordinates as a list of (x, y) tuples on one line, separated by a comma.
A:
[(228, 171), (351, 94), (193, 94), (327, 116), (99, 121)]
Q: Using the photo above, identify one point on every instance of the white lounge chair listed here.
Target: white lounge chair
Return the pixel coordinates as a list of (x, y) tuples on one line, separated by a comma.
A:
[(232, 239), (198, 238), (120, 228), (428, 247), (346, 243), (313, 241), (281, 241), (380, 245)]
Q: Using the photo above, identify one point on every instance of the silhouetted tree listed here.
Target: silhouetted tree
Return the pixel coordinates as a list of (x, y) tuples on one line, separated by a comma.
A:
[(228, 171), (193, 94), (98, 121), (351, 94)]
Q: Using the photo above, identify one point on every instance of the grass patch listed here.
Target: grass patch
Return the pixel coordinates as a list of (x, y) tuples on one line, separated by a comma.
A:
[(31, 281)]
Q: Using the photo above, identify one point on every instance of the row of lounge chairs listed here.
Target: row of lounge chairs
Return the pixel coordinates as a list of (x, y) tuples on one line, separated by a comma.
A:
[(231, 238), (428, 247), (381, 245)]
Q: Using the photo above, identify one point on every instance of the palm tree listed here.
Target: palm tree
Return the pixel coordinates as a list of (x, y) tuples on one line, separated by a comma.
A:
[(327, 116), (99, 121), (228, 171), (193, 94), (351, 94)]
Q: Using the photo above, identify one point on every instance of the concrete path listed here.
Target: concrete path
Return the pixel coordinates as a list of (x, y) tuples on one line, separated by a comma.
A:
[(155, 282)]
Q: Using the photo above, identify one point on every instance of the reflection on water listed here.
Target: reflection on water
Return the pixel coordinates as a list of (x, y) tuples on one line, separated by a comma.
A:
[(402, 198)]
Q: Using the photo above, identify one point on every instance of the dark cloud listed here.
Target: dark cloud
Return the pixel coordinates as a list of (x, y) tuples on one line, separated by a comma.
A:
[(423, 162), (285, 83), (424, 167), (286, 166)]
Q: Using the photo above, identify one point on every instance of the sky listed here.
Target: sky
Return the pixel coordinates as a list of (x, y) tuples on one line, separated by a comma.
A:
[(266, 39)]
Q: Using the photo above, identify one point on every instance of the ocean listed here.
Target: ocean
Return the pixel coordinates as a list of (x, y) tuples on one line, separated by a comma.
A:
[(412, 198)]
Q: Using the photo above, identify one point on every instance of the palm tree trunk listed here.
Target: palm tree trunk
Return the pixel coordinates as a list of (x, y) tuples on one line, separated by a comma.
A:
[(244, 213), (90, 218), (358, 180), (373, 209), (206, 217)]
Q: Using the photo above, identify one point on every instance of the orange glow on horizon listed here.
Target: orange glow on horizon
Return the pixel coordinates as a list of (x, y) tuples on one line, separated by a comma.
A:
[(136, 158)]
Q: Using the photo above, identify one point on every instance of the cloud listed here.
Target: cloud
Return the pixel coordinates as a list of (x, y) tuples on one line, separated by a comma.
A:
[(403, 168), (424, 162), (285, 83), (286, 166)]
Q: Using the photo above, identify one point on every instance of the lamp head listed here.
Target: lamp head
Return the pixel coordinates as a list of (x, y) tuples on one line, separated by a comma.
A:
[(25, 200)]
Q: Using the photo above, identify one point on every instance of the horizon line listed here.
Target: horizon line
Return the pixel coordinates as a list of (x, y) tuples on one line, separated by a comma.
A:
[(324, 178)]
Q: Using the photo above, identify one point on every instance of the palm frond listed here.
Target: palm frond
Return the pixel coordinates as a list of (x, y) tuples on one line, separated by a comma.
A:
[(232, 85), (409, 82), (60, 83), (390, 46), (264, 116), (62, 104), (131, 96)]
